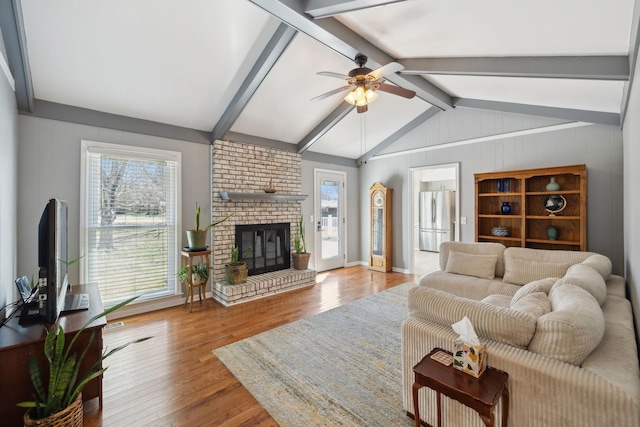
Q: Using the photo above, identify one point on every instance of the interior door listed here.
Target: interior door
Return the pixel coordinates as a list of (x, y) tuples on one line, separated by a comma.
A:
[(330, 223)]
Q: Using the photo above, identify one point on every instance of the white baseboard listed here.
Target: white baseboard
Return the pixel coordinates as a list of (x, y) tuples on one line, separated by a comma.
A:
[(152, 305)]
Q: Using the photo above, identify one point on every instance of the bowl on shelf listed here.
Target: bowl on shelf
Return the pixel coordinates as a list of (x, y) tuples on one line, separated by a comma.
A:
[(500, 231)]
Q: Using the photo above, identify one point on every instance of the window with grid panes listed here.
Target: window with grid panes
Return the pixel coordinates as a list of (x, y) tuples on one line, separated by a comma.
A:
[(129, 225)]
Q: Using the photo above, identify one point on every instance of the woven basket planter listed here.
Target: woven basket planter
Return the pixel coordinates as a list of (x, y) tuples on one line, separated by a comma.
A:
[(236, 273), (301, 261), (71, 416)]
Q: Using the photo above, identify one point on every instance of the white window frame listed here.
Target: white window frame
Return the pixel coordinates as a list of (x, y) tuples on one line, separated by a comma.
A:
[(94, 147)]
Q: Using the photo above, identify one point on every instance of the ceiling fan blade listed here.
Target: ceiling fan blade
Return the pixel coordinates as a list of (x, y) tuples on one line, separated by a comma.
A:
[(332, 74), (396, 90), (391, 67), (330, 93)]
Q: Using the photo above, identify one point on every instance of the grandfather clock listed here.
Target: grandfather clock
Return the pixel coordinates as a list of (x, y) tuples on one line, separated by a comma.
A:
[(380, 202)]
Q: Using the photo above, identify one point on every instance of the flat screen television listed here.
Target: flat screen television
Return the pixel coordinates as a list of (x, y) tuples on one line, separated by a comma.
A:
[(52, 259)]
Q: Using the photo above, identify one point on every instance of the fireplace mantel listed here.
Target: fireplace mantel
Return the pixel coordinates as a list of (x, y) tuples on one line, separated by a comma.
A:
[(228, 197)]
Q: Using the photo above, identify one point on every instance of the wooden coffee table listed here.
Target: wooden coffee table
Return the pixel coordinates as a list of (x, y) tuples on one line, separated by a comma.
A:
[(480, 394)]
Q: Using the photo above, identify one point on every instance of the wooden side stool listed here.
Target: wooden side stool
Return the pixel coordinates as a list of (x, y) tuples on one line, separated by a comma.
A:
[(480, 394), (189, 258)]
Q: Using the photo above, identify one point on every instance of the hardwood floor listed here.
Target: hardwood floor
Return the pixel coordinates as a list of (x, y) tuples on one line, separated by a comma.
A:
[(174, 379)]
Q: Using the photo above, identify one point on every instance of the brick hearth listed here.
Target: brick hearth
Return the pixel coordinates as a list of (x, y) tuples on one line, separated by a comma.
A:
[(263, 285)]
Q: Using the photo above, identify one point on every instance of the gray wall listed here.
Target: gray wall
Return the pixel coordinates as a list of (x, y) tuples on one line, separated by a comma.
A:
[(599, 147), (632, 198), (353, 206), (49, 160), (8, 186)]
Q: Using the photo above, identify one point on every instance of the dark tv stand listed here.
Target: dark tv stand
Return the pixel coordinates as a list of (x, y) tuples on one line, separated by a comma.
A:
[(18, 341)]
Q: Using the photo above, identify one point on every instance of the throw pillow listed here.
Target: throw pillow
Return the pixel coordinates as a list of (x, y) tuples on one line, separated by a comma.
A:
[(483, 266), (535, 304), (476, 248), (521, 271), (543, 285), (573, 329), (588, 279)]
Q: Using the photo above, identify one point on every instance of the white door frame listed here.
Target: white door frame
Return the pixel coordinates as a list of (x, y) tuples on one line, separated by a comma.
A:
[(413, 205), (317, 215)]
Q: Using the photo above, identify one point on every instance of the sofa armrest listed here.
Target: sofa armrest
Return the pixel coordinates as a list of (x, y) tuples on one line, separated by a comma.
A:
[(543, 391), (498, 323)]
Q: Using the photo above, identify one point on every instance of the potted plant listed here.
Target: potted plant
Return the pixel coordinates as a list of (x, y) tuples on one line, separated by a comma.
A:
[(236, 271), (58, 389), (199, 273), (300, 256), (197, 238)]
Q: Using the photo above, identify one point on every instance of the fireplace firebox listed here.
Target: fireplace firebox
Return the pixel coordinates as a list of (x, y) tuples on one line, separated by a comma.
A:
[(267, 246)]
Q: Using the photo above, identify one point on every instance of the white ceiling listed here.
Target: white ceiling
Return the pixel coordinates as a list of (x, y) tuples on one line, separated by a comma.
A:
[(182, 63)]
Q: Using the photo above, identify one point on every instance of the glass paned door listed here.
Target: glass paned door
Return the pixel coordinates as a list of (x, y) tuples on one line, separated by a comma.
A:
[(329, 218)]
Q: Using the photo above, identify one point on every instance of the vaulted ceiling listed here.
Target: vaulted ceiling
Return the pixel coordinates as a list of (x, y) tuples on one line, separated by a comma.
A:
[(247, 70)]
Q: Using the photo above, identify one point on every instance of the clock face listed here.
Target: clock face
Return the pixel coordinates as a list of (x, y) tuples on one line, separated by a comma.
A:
[(377, 199)]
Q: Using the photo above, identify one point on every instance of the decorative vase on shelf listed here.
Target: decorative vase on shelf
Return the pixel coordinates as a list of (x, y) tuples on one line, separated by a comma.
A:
[(500, 185), (553, 185), (552, 232), (506, 208)]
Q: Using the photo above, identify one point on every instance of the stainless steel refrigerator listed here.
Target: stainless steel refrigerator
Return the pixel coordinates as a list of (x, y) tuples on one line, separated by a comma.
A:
[(437, 219)]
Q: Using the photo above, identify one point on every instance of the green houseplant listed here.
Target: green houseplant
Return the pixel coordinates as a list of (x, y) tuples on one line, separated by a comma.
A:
[(64, 380), (197, 238), (236, 271), (200, 273), (300, 256)]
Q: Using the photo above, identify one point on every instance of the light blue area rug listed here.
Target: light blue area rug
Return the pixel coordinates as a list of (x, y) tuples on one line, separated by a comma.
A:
[(337, 368)]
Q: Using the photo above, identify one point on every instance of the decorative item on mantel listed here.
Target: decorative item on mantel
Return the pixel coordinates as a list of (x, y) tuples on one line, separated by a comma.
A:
[(270, 188), (553, 185)]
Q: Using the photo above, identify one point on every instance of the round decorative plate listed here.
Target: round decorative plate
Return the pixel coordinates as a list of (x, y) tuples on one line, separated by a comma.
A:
[(555, 204)]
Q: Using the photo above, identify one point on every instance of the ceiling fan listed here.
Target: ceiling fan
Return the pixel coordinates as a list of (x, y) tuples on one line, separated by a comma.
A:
[(363, 82)]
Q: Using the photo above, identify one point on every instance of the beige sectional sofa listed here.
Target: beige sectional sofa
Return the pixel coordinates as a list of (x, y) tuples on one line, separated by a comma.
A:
[(557, 321)]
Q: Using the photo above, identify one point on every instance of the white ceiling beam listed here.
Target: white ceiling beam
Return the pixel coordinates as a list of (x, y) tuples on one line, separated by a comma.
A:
[(404, 130), (555, 67), (324, 126), (15, 41), (279, 42), (338, 37), (325, 8), (597, 117)]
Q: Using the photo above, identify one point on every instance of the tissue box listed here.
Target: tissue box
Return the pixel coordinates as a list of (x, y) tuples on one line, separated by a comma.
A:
[(471, 359)]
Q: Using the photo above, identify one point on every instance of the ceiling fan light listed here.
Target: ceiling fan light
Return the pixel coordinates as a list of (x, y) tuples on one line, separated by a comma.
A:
[(350, 98), (371, 95)]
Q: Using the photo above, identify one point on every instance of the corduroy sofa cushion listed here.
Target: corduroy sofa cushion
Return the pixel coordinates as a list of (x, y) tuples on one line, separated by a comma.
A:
[(542, 285), (524, 265), (482, 266), (588, 279), (573, 329)]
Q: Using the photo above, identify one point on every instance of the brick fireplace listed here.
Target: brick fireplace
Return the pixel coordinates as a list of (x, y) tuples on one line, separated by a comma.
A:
[(246, 168)]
